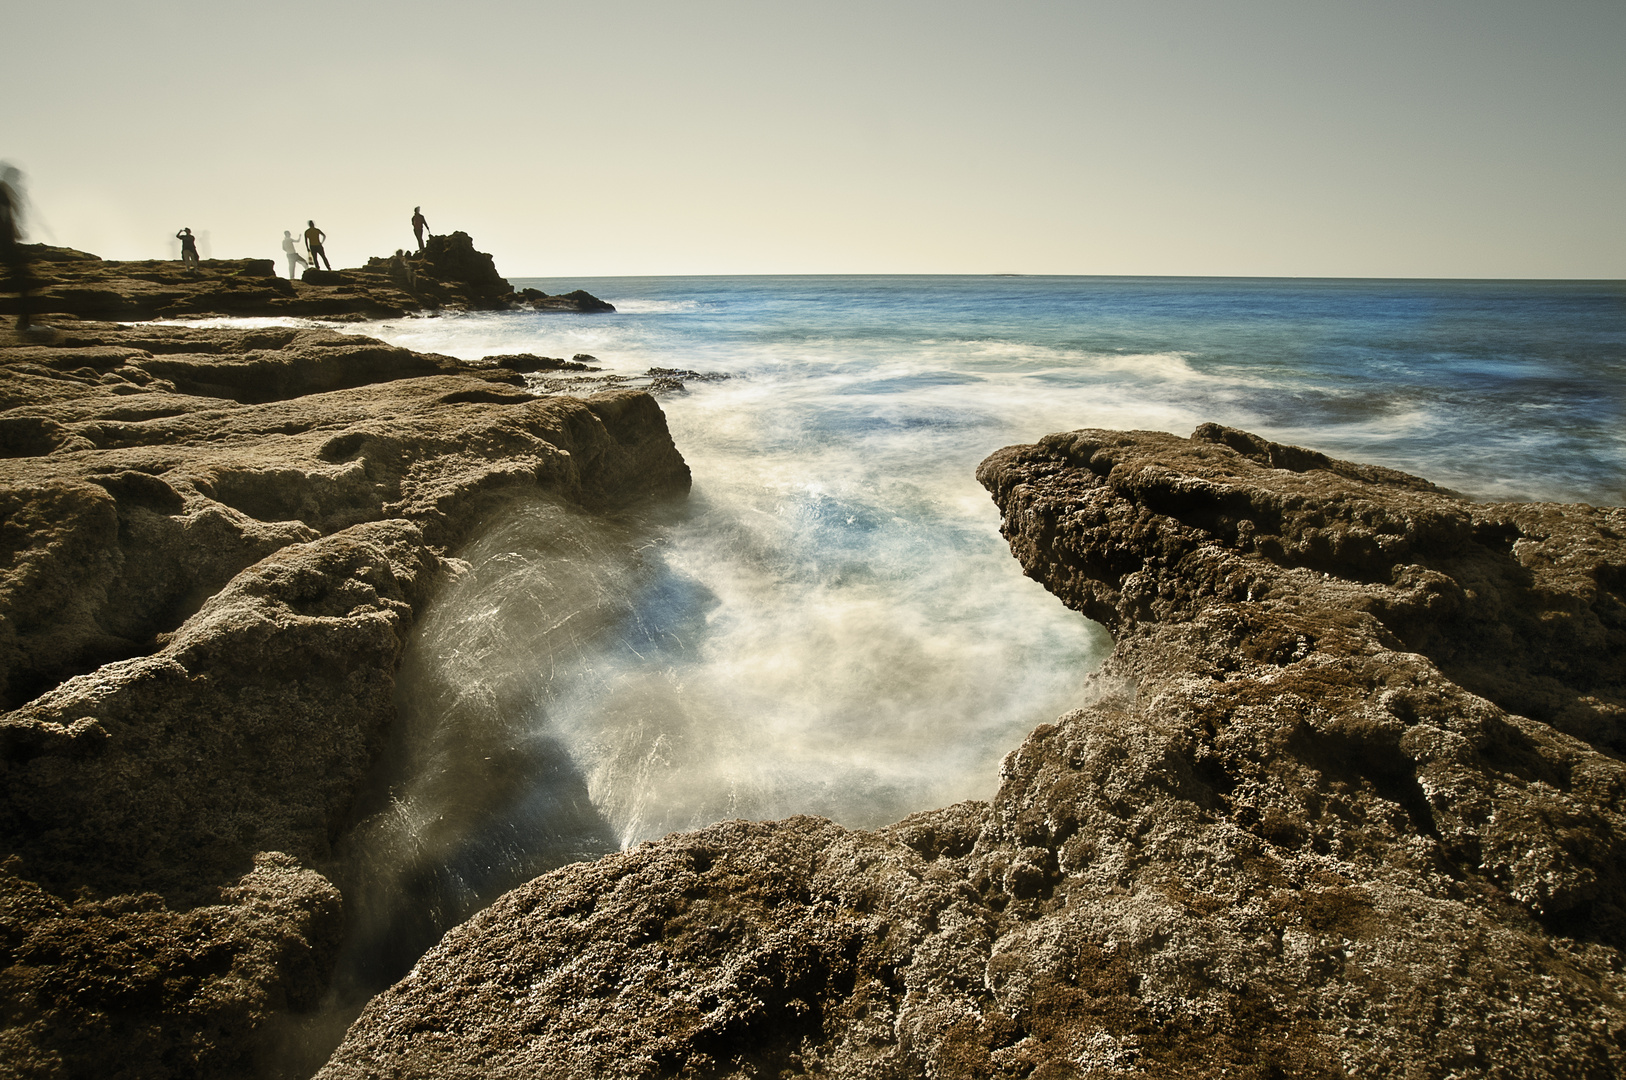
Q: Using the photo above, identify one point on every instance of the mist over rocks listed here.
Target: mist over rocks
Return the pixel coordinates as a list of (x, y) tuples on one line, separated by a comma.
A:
[(1349, 801), (451, 275), (213, 545)]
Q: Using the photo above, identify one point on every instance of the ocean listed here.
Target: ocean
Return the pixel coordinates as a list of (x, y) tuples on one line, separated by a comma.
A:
[(831, 623)]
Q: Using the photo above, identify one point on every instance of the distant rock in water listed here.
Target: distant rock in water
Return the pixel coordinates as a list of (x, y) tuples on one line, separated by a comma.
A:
[(578, 300), (526, 362), (1349, 801)]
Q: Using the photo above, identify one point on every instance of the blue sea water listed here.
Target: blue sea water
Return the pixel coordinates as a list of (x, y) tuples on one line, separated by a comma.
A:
[(1502, 389), (831, 623)]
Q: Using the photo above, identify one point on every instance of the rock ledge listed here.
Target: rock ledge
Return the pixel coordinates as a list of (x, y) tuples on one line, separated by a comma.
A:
[(213, 545)]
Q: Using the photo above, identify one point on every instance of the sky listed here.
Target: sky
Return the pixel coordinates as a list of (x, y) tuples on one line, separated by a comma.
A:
[(1429, 138)]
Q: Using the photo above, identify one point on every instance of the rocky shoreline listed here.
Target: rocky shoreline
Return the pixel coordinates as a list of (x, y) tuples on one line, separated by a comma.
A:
[(214, 545), (1286, 840), (1349, 799), (449, 275)]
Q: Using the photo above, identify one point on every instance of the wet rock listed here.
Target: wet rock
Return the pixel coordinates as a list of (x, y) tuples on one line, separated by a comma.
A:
[(527, 362), (575, 300), (1348, 801)]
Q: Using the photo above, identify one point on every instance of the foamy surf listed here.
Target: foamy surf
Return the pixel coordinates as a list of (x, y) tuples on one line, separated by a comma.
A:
[(832, 623)]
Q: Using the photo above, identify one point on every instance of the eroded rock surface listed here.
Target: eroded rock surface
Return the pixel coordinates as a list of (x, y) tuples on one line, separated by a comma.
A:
[(1349, 802), (212, 547)]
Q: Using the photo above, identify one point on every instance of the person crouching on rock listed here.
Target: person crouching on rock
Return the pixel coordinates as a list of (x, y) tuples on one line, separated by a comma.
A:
[(313, 244), (419, 225), (290, 248), (189, 246)]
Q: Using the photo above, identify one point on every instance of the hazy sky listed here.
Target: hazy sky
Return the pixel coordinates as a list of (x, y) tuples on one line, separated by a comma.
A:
[(1454, 138)]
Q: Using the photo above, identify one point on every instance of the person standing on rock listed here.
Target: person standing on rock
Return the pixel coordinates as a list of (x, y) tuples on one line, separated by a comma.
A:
[(420, 225), (313, 244), (189, 246), (13, 259), (290, 248)]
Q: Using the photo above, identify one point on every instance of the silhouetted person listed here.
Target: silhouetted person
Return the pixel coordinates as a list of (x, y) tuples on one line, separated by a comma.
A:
[(313, 244), (290, 248), (13, 258), (189, 246), (419, 225)]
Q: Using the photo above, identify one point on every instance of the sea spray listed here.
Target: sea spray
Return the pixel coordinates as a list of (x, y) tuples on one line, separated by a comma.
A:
[(766, 648), (473, 794), (589, 682)]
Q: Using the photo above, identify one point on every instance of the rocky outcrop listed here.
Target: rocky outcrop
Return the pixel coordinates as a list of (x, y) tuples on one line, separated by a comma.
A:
[(450, 272), (1349, 801), (212, 547), (451, 275), (575, 300)]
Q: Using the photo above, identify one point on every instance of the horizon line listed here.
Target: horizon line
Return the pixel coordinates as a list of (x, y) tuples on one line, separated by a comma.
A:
[(1175, 277)]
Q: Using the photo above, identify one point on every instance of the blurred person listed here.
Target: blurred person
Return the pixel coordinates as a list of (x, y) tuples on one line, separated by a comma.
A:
[(13, 259), (402, 272), (290, 248)]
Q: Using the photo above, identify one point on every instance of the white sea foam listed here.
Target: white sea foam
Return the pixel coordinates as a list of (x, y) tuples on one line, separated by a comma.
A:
[(657, 307), (236, 323)]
